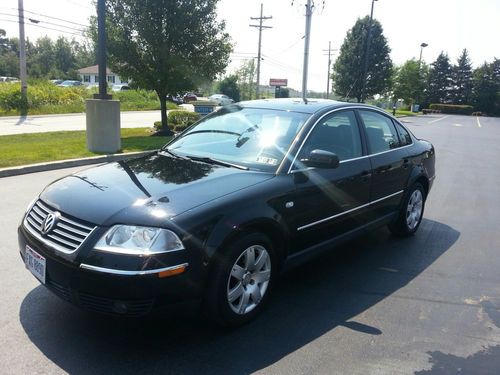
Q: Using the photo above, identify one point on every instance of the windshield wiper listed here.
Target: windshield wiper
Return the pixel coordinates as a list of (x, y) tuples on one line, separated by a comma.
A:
[(175, 155), (208, 160)]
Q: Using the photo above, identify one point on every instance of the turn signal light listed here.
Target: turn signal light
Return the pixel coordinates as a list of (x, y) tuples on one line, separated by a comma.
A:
[(172, 272)]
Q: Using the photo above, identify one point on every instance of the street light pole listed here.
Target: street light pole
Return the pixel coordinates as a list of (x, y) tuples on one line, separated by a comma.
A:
[(367, 52), (422, 46), (101, 50)]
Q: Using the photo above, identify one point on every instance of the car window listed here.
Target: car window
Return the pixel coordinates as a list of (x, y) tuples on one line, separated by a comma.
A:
[(404, 135), (380, 132), (337, 133)]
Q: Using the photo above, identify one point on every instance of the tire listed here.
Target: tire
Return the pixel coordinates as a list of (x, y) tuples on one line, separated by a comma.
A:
[(411, 212), (241, 280)]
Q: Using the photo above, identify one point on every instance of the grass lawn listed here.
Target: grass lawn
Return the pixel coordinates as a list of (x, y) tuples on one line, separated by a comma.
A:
[(33, 148), (400, 113)]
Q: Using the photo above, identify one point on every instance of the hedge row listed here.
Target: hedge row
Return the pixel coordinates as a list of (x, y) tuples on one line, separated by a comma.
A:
[(453, 109)]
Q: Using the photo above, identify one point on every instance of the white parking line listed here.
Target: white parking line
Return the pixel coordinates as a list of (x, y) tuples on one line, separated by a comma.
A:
[(478, 123), (439, 119)]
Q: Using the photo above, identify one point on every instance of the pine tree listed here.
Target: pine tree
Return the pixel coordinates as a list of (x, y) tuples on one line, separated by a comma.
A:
[(439, 83), (486, 92), (462, 80)]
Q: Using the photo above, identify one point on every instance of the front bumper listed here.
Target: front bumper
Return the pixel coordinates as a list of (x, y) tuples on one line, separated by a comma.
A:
[(111, 289)]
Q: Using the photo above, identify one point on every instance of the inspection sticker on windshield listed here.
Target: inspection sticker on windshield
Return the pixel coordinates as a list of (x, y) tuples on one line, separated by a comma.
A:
[(35, 263), (264, 160)]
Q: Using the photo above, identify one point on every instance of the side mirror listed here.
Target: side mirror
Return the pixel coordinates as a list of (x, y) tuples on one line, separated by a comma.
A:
[(322, 159)]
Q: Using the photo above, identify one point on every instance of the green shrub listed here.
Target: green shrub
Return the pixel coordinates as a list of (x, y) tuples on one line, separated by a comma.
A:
[(183, 118), (453, 109), (179, 120)]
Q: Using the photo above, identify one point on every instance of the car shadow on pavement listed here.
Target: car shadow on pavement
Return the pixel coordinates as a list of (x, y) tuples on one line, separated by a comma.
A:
[(310, 301)]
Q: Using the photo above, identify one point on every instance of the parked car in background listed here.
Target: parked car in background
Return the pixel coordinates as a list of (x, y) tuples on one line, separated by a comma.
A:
[(120, 87), (57, 81), (221, 99), (9, 79), (189, 97), (70, 83), (219, 212), (176, 99)]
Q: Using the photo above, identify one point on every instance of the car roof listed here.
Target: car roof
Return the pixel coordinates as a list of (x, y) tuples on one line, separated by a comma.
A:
[(299, 105)]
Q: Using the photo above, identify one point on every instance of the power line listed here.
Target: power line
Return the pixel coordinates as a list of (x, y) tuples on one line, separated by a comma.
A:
[(36, 21), (42, 27), (47, 16)]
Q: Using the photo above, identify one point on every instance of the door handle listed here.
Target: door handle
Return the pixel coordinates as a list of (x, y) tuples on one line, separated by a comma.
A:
[(365, 176), (383, 168)]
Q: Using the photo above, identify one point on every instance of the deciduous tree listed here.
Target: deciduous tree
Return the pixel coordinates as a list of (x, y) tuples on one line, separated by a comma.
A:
[(229, 87), (166, 45), (409, 81)]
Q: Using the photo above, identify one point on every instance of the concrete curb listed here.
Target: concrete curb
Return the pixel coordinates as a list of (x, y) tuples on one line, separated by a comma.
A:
[(42, 167)]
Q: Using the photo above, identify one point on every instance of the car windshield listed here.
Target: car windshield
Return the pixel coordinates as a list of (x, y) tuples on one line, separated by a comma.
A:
[(254, 138)]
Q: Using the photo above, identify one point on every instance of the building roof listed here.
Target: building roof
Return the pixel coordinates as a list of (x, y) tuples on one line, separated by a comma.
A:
[(94, 69)]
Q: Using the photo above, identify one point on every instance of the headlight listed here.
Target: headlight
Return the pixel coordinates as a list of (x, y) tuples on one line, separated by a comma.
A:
[(136, 240)]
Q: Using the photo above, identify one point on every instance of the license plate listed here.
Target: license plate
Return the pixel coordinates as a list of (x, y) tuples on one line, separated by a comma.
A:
[(35, 263)]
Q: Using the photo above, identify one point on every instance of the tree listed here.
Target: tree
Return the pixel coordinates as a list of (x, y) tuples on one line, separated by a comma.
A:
[(486, 91), (168, 46), (409, 82), (42, 59), (229, 87), (439, 83), (4, 42), (348, 69), (63, 56), (283, 93), (246, 76), (462, 80)]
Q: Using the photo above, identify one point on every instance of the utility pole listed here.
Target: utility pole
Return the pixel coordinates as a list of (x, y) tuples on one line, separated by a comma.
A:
[(367, 52), (260, 27), (309, 7), (329, 50), (22, 60)]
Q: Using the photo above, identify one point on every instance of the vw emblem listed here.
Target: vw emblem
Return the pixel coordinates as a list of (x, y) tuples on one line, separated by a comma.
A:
[(49, 223)]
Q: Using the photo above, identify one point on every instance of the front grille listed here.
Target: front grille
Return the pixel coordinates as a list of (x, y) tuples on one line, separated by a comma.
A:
[(66, 235)]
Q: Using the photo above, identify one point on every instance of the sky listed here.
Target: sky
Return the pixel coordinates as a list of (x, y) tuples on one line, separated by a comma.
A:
[(445, 25)]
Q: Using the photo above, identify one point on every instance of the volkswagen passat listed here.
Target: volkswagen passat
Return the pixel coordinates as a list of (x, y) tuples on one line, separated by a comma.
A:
[(221, 210)]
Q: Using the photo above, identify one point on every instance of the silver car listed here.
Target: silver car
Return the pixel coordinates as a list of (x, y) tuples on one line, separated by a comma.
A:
[(221, 99)]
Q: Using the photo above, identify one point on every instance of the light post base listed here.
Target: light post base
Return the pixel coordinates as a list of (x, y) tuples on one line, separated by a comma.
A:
[(103, 125)]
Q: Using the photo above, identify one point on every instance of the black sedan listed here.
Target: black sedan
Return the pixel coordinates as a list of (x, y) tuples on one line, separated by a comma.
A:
[(218, 213)]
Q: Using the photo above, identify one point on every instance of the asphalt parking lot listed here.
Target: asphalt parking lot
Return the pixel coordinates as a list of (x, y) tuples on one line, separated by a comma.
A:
[(429, 304)]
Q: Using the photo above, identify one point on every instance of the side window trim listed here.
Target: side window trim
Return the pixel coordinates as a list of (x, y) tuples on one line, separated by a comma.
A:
[(398, 125)]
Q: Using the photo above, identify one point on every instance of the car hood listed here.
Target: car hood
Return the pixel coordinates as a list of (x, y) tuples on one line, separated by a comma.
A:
[(145, 191)]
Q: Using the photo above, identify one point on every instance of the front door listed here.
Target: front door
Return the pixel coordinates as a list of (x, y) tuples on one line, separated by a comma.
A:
[(328, 202)]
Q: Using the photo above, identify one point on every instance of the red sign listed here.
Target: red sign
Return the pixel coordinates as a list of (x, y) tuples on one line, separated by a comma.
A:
[(278, 82)]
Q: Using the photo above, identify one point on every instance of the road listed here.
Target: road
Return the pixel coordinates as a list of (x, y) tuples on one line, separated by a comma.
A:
[(429, 304), (74, 121)]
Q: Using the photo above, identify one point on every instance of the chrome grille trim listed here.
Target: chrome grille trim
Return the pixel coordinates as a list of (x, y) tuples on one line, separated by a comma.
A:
[(66, 236)]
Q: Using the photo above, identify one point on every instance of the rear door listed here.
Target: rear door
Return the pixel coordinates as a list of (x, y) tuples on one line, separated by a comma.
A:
[(389, 160)]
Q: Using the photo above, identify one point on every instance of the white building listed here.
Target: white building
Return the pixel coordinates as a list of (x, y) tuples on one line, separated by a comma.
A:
[(90, 76)]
